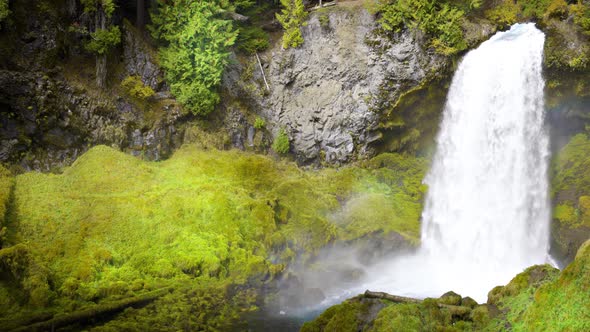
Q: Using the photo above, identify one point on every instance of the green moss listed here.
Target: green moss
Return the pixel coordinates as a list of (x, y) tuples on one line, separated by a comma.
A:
[(565, 213), (505, 14), (563, 304), (112, 226), (342, 317), (570, 165), (399, 318), (134, 87)]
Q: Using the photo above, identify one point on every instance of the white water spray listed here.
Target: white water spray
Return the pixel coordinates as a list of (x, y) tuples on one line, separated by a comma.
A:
[(486, 215)]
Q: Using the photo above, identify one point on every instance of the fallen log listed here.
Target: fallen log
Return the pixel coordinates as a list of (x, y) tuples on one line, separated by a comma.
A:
[(328, 4), (455, 310), (88, 314), (392, 298)]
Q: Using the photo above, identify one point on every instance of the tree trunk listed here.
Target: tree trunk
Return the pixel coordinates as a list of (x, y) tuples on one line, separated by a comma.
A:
[(140, 14), (101, 59), (321, 4)]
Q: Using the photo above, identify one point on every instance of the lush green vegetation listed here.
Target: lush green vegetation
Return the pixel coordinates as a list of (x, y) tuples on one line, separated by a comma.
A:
[(195, 40), (571, 183), (104, 37), (259, 123), (281, 143), (209, 225), (439, 20), (292, 17), (134, 87), (581, 13), (102, 40)]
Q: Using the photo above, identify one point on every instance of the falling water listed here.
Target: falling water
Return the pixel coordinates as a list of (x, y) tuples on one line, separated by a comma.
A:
[(486, 215)]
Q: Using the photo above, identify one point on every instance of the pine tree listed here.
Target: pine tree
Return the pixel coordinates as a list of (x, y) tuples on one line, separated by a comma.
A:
[(196, 42), (292, 17), (104, 36)]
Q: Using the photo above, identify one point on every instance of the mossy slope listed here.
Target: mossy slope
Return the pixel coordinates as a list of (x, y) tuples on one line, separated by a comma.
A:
[(216, 224)]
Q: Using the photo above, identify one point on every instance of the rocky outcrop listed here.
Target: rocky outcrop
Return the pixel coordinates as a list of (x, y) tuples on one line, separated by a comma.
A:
[(47, 123), (328, 93), (139, 58)]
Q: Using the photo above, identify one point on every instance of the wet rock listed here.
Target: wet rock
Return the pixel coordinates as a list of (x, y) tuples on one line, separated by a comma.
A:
[(468, 302), (327, 93), (450, 298), (46, 123)]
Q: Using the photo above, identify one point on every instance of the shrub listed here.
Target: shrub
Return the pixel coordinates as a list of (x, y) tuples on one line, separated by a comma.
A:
[(292, 17), (504, 14), (102, 40), (259, 123), (441, 22), (533, 8), (557, 9), (133, 86), (252, 39), (195, 51), (581, 16), (281, 143)]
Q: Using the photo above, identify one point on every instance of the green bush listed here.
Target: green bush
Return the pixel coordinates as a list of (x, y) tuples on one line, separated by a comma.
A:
[(557, 9), (534, 8), (581, 13), (292, 17), (505, 14), (259, 123), (438, 20), (102, 40), (195, 41), (252, 39), (281, 143), (134, 87)]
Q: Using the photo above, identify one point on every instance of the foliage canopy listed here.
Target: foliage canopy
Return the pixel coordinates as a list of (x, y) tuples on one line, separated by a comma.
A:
[(102, 40), (195, 40), (292, 17), (440, 20)]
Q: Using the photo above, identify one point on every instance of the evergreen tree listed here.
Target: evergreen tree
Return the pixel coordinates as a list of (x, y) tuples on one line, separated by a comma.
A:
[(196, 40), (104, 36), (292, 17)]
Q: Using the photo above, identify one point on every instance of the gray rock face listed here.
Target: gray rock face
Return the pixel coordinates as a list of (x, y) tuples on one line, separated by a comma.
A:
[(47, 123), (328, 92), (139, 60)]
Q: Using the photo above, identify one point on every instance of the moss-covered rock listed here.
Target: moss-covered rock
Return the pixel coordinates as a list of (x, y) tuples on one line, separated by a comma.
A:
[(570, 190), (563, 304), (6, 183)]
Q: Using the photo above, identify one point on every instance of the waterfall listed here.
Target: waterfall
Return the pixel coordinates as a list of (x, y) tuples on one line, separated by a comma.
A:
[(486, 214)]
